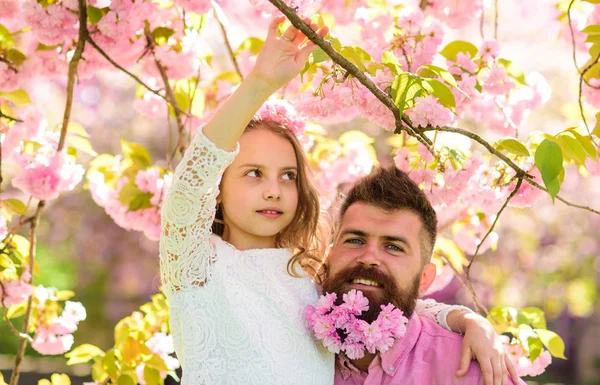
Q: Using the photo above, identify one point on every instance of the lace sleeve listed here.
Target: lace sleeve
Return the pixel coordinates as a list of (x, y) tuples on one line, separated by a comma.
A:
[(188, 211), (436, 311)]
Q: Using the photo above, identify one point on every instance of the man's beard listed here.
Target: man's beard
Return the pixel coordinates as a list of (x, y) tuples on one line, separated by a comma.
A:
[(403, 299)]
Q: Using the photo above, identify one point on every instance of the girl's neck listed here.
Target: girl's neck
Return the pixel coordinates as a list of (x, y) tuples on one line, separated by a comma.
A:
[(245, 241)]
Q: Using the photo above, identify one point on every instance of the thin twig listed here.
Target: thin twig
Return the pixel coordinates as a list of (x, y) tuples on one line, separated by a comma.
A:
[(496, 20), (9, 64), (482, 21), (7, 320), (171, 99), (468, 269), (585, 70), (3, 115), (572, 35), (218, 15), (463, 282), (14, 379)]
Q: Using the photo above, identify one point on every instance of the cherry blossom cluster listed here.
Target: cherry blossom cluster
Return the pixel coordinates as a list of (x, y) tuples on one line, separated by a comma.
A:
[(153, 181), (521, 360), (160, 344), (16, 291), (340, 328), (54, 332), (30, 147)]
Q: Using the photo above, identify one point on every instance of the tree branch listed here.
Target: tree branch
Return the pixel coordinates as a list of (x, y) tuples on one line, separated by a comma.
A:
[(581, 76), (468, 270), (8, 64), (77, 55), (171, 99), (3, 115), (354, 71), (219, 16), (14, 379)]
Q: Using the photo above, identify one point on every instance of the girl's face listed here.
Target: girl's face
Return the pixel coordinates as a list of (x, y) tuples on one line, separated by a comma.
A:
[(258, 195)]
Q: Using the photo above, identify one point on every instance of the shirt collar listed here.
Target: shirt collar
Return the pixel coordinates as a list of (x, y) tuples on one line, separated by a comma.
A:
[(389, 360)]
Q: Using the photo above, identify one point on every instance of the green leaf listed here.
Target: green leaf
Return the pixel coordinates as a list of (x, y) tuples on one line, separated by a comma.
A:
[(129, 192), (592, 30), (151, 376), (319, 56), (455, 47), (16, 56), (513, 146), (6, 39), (572, 149), (81, 144), (161, 35), (535, 348), (137, 153), (441, 92), (596, 130), (83, 354), (534, 316), (405, 88), (77, 129), (94, 14), (549, 160), (126, 379), (15, 206), (427, 69), (16, 310), (552, 342), (18, 97), (252, 44), (390, 60), (157, 363), (586, 142), (354, 56), (140, 202), (513, 71)]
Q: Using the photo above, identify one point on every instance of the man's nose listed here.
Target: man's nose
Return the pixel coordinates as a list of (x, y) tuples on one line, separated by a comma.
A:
[(369, 257)]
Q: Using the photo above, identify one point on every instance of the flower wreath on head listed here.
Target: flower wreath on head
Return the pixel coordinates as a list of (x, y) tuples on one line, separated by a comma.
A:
[(282, 112)]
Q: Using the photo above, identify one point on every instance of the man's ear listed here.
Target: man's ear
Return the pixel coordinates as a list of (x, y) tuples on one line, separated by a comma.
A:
[(428, 275)]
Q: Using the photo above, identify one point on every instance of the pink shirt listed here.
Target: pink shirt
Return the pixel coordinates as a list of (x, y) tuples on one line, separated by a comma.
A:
[(427, 354)]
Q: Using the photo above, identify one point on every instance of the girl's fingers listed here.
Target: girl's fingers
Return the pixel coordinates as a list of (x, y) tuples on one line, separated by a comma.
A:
[(274, 26)]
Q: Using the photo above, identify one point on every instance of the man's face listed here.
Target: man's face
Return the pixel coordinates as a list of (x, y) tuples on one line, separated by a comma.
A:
[(379, 253)]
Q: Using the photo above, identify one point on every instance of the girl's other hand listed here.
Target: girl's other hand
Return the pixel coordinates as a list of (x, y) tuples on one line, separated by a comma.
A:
[(282, 58)]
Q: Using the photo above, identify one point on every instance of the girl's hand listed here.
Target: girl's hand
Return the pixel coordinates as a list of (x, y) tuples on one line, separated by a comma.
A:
[(282, 58), (483, 344)]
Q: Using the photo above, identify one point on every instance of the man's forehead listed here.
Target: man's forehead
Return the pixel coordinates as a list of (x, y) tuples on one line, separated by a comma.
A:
[(375, 221)]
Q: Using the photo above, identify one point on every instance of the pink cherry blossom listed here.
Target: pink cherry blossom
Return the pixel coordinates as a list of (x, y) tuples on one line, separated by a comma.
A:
[(47, 176), (17, 291), (48, 343), (429, 112), (282, 112)]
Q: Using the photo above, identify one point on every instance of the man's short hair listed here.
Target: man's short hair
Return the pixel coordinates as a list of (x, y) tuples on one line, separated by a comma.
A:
[(391, 190)]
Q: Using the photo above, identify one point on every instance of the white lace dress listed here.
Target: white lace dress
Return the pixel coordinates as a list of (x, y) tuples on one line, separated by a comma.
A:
[(236, 315)]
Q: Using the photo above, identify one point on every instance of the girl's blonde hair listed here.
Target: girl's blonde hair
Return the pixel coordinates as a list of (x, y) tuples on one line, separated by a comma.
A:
[(305, 235)]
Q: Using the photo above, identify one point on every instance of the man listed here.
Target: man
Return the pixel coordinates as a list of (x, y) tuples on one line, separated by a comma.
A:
[(383, 247)]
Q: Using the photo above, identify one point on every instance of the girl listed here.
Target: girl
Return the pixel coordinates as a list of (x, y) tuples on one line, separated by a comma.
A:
[(236, 298)]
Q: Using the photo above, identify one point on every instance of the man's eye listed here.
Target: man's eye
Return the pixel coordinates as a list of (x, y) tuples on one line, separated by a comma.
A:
[(254, 173), (356, 241), (395, 248)]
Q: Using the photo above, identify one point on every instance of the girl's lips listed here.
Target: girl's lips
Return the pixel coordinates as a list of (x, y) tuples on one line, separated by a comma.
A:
[(270, 214)]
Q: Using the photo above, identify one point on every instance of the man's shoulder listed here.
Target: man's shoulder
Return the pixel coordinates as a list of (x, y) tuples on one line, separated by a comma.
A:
[(432, 330)]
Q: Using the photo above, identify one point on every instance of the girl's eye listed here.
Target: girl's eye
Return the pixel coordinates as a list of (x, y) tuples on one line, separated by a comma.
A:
[(253, 173), (289, 176)]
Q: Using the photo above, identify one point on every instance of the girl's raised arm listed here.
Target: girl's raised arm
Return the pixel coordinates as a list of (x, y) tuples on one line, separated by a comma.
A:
[(280, 60)]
